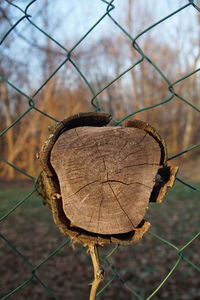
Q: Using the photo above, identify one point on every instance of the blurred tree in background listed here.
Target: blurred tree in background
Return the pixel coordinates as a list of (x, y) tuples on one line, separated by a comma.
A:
[(28, 58)]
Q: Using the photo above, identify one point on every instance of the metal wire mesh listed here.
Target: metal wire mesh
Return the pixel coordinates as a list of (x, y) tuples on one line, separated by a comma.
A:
[(97, 105)]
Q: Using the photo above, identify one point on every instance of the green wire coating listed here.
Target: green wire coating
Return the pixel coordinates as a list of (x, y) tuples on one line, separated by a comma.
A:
[(32, 105)]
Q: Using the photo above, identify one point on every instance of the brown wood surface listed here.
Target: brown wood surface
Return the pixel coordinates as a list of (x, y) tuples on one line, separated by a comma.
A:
[(106, 176)]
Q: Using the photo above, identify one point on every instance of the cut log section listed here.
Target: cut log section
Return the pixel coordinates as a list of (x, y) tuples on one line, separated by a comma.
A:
[(106, 176), (98, 179)]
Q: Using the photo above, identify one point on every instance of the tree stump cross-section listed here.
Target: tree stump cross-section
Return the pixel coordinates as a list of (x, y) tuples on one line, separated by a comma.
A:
[(106, 176)]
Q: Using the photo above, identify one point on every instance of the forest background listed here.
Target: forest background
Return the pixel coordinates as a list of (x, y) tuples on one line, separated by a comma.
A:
[(28, 58)]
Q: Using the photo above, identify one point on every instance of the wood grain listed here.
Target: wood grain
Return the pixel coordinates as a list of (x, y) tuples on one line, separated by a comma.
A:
[(106, 176)]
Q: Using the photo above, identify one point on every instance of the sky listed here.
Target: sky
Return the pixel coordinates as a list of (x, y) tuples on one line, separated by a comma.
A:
[(68, 21), (76, 17)]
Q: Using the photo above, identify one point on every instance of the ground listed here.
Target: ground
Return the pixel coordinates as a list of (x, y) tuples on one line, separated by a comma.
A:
[(142, 267)]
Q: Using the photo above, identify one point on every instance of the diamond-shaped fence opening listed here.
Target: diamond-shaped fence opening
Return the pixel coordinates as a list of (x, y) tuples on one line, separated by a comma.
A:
[(158, 259)]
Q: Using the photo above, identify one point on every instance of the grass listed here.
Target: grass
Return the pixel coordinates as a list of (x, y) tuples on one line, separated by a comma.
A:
[(143, 266), (32, 207)]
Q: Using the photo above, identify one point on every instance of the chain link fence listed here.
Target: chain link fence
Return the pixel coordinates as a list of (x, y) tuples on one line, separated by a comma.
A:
[(106, 259)]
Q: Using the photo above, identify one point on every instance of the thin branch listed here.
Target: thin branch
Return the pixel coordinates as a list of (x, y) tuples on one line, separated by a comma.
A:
[(98, 271)]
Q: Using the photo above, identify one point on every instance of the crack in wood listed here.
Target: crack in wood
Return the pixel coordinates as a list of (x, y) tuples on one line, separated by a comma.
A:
[(83, 187), (139, 150), (78, 136), (100, 155), (122, 148), (131, 137), (100, 208), (125, 183), (138, 165), (121, 206)]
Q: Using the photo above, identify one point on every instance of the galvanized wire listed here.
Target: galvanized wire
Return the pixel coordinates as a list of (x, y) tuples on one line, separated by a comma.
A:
[(97, 105)]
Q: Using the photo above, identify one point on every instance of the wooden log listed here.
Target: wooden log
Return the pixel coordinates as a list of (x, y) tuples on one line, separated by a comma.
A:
[(106, 176)]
